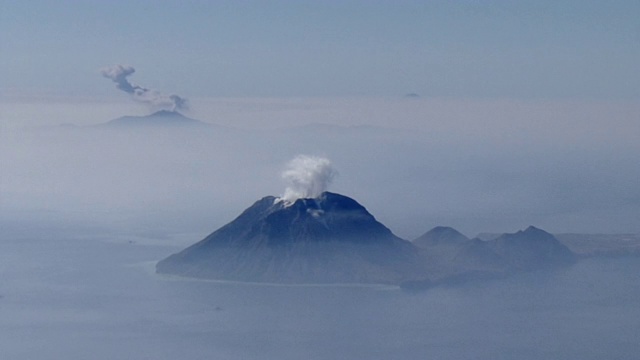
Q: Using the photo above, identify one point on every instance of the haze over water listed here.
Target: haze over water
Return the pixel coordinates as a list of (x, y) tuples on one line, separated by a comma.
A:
[(85, 297)]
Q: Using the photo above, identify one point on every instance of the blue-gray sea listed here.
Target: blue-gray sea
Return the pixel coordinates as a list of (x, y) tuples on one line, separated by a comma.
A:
[(87, 297)]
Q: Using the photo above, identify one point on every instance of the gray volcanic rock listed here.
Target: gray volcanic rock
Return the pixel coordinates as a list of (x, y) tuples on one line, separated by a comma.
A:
[(329, 239), (162, 118)]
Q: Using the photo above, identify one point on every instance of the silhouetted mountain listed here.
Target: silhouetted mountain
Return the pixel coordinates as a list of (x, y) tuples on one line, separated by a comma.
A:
[(330, 239), (530, 249), (162, 118), (450, 255), (440, 235), (451, 258)]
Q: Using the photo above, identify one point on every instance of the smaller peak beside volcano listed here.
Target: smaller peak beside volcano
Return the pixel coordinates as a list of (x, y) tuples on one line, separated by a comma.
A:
[(440, 235), (532, 230), (162, 118), (531, 233), (531, 248)]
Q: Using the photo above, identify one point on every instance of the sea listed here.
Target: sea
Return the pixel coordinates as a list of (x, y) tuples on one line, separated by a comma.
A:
[(70, 296)]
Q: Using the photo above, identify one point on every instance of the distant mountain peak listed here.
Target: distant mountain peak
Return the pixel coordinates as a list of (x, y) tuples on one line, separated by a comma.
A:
[(441, 235), (161, 118), (167, 113), (530, 232), (533, 229), (531, 248)]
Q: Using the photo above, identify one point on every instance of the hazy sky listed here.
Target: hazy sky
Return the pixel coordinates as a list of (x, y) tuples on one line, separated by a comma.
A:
[(518, 49), (529, 111)]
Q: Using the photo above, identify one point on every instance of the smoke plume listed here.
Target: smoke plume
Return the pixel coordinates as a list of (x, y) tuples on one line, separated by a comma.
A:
[(155, 99), (308, 176)]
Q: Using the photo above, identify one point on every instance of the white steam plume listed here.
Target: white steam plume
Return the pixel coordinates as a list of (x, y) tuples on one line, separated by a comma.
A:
[(308, 176), (155, 99)]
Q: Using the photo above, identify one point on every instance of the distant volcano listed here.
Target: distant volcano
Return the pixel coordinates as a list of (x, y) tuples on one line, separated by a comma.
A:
[(162, 118), (329, 239)]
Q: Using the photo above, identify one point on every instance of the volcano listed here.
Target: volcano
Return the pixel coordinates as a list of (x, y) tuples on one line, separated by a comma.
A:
[(162, 118), (328, 239)]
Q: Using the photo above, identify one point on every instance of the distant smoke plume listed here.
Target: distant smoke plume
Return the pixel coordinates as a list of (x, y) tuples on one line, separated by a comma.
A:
[(308, 177), (155, 99)]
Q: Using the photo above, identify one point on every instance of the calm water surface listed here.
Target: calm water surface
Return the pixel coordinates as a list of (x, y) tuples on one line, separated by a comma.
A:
[(88, 298)]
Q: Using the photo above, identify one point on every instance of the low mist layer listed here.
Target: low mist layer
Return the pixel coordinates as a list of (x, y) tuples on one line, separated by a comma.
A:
[(477, 175)]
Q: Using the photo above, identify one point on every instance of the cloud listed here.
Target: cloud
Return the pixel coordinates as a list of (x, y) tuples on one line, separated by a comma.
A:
[(308, 176), (155, 99)]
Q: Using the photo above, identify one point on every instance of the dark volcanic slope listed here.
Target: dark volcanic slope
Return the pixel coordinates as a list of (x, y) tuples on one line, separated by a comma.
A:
[(331, 239)]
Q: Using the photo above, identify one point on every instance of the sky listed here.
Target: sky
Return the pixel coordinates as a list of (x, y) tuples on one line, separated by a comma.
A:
[(528, 112), (461, 49)]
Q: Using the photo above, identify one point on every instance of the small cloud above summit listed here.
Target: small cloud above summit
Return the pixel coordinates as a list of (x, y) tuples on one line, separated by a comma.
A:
[(153, 98), (308, 177)]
